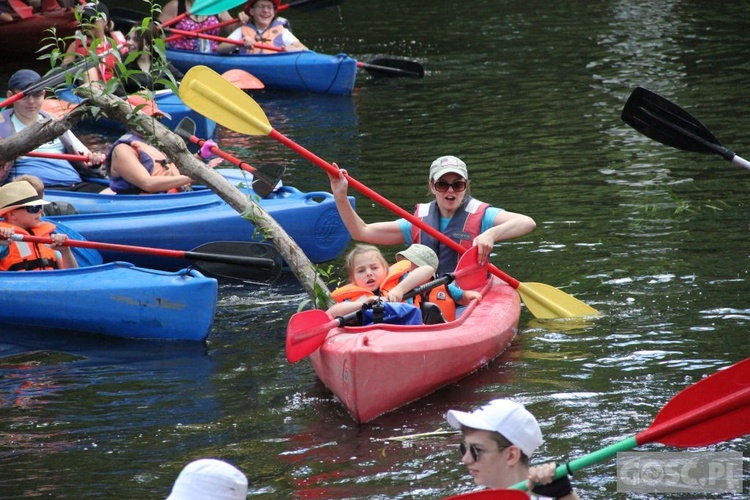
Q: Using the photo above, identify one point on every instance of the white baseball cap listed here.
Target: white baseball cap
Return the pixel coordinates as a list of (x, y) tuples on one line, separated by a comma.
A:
[(508, 418), (209, 479), (447, 164)]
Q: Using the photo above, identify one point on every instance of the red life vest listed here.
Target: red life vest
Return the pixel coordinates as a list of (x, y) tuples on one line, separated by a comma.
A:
[(464, 226), (107, 63), (24, 256)]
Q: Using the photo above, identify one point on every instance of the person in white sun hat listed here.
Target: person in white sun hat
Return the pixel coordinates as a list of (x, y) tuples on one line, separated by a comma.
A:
[(209, 479), (498, 440)]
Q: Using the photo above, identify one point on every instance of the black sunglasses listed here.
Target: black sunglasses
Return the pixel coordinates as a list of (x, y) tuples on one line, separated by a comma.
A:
[(475, 452), (443, 186), (34, 209)]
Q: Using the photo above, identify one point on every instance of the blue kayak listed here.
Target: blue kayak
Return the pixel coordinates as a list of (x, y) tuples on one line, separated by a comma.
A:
[(167, 102), (304, 71), (116, 299), (184, 221)]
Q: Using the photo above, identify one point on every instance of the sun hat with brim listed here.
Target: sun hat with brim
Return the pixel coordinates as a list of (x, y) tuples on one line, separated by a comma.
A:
[(447, 164), (144, 105), (23, 79), (19, 194), (209, 478), (508, 418), (419, 255)]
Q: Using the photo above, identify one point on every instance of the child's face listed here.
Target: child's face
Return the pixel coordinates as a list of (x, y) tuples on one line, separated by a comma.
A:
[(368, 271), (25, 219)]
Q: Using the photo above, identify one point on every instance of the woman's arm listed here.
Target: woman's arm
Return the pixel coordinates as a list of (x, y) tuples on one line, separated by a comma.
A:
[(507, 225), (379, 233)]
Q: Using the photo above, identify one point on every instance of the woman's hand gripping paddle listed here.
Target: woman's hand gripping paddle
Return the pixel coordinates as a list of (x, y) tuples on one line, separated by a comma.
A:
[(307, 330), (207, 92)]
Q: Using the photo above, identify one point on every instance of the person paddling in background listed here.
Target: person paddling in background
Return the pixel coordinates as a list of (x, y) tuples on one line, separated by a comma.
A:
[(54, 173), (147, 70), (97, 34), (454, 213), (498, 440), (371, 278), (136, 167), (174, 8), (21, 209), (264, 28)]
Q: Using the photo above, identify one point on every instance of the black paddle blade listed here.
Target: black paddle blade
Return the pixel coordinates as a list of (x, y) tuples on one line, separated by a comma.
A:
[(662, 120), (186, 129), (244, 261), (385, 67), (266, 178)]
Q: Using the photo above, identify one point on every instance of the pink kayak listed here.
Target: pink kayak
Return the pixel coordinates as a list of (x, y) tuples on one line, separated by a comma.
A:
[(375, 369)]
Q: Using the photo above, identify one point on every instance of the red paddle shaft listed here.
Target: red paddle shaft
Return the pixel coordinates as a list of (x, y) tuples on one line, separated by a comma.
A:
[(162, 252), (177, 35), (58, 156), (223, 154), (386, 203)]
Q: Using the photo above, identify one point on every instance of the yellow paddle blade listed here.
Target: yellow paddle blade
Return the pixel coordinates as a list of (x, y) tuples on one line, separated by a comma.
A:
[(211, 95), (547, 302)]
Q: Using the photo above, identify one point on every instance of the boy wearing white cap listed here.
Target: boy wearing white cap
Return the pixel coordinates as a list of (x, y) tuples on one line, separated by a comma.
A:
[(209, 479), (498, 440)]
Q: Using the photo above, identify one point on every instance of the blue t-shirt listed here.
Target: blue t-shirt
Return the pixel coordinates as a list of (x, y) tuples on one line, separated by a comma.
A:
[(488, 221)]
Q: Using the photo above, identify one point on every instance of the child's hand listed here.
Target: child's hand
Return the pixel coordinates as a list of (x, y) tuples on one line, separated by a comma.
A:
[(394, 295), (541, 474), (470, 295), (58, 239), (6, 232)]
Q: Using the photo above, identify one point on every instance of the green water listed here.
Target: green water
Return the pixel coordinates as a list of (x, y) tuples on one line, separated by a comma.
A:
[(529, 94)]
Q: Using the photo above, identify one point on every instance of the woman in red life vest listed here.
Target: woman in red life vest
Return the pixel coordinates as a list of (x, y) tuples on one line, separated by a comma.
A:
[(263, 28), (453, 212), (371, 278), (21, 209), (96, 35)]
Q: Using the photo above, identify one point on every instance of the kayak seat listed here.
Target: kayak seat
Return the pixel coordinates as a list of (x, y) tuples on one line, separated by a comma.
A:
[(431, 313)]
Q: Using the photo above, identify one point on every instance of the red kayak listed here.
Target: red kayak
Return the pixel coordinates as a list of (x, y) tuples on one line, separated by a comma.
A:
[(21, 38), (377, 368)]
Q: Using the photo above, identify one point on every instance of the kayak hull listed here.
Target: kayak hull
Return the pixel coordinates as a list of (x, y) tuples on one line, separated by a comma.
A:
[(304, 71), (353, 361), (115, 299), (184, 221)]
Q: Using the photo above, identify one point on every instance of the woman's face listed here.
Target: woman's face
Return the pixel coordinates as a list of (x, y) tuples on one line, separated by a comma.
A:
[(133, 41), (448, 201)]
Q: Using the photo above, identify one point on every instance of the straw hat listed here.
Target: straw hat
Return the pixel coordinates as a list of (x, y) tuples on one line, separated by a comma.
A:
[(18, 194)]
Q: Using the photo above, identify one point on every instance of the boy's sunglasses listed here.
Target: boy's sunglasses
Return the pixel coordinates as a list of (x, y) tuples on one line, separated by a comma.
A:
[(443, 186), (475, 452), (34, 209)]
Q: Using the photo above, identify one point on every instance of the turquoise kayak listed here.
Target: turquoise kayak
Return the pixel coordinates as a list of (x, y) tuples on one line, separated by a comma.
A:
[(183, 221), (115, 299), (167, 102), (304, 71)]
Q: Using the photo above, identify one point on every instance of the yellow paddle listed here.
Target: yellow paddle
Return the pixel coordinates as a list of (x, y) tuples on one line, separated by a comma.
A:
[(208, 93)]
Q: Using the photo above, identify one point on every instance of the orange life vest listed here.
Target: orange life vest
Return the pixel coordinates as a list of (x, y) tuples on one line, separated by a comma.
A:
[(270, 36), (438, 295), (25, 256)]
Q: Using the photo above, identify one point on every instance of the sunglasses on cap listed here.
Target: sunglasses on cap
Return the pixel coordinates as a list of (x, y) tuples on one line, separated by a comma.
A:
[(34, 209), (443, 186), (476, 453)]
